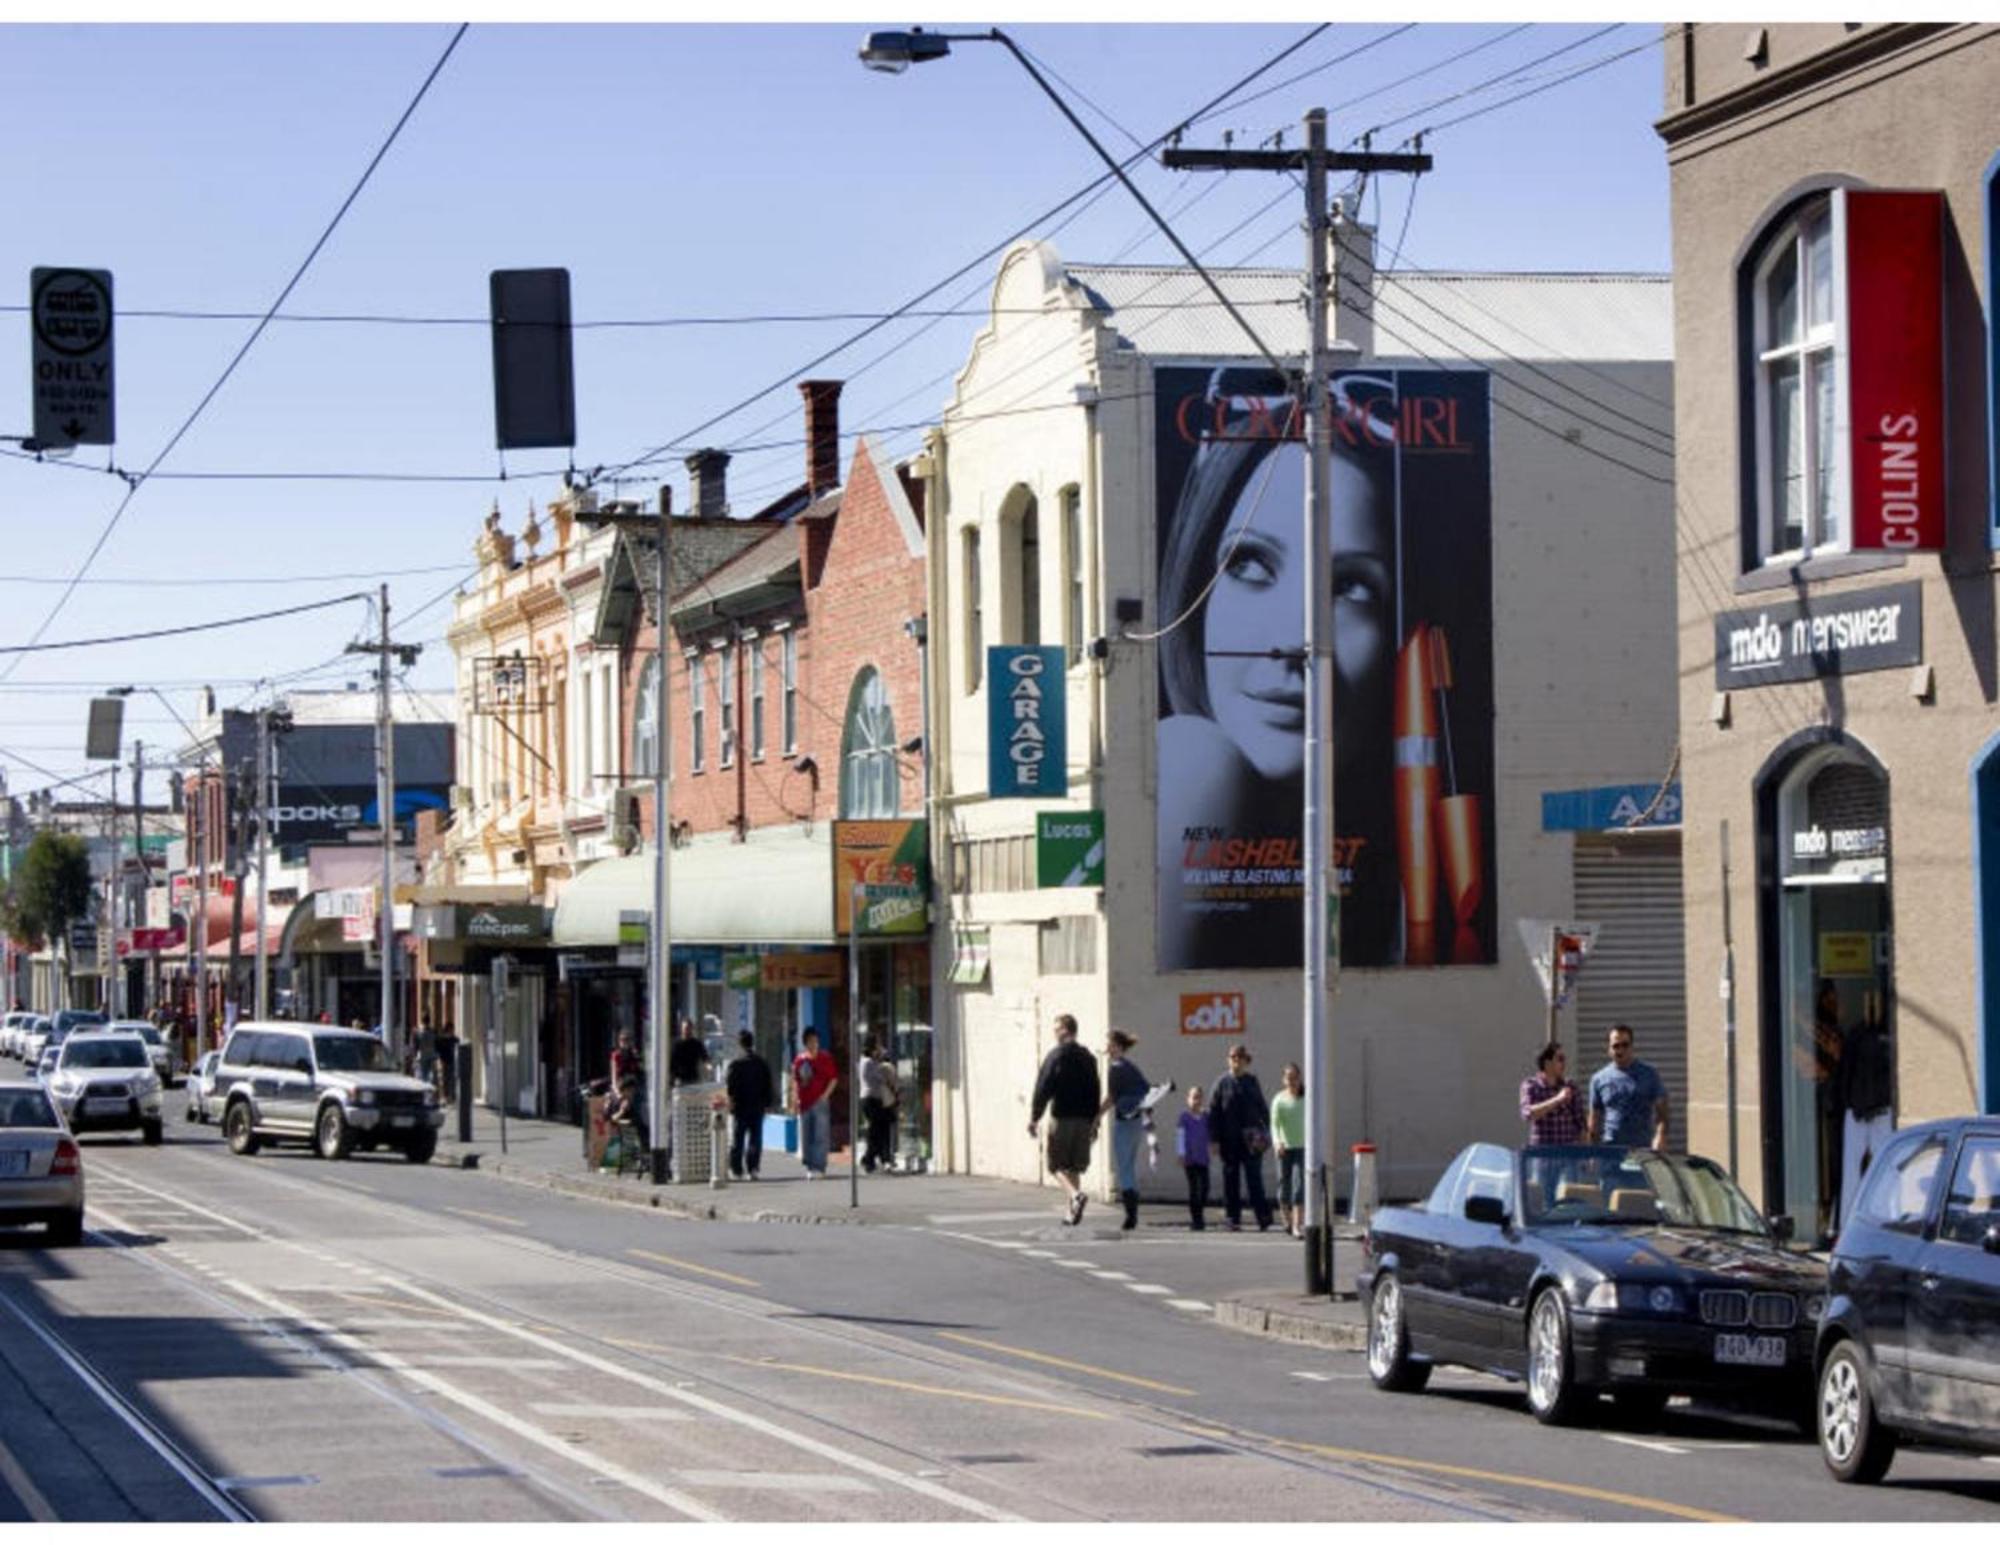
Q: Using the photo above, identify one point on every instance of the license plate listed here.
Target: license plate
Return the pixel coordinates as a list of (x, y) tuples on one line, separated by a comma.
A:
[(401, 1121), (13, 1161), (105, 1107), (1753, 1351)]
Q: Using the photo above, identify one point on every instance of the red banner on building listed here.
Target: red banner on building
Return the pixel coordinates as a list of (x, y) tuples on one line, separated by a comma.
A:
[(1895, 369)]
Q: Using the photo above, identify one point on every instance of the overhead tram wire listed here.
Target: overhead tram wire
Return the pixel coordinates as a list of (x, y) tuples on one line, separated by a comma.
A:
[(1513, 73), (184, 628), (177, 582), (187, 424), (681, 440), (1562, 80)]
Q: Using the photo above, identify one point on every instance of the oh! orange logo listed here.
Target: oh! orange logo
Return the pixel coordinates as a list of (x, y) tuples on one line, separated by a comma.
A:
[(1212, 1013)]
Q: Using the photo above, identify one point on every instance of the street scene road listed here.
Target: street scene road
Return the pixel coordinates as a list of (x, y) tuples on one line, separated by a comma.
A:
[(278, 1338)]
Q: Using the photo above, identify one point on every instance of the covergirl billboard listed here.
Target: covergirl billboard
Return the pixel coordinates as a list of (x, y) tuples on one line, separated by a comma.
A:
[(1411, 547)]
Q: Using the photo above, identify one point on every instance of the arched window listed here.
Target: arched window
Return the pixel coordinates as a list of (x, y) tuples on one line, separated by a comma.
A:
[(1800, 495), (868, 783), (646, 720), (1020, 569)]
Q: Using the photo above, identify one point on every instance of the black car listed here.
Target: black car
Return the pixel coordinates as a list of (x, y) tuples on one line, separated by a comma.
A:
[(1588, 1270), (1910, 1345)]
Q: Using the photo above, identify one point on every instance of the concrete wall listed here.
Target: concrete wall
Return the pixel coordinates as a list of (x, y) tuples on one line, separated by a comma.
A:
[(1584, 612), (1916, 115)]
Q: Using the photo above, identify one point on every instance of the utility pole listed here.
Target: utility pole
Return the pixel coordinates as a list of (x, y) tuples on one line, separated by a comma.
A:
[(136, 896), (262, 996), (385, 649), (239, 857), (1321, 947)]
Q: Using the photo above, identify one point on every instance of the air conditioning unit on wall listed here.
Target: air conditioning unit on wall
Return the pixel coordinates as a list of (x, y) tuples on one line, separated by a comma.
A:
[(625, 820)]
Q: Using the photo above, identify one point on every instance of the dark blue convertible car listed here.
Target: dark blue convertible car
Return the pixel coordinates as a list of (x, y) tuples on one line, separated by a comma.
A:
[(1593, 1270), (1910, 1345)]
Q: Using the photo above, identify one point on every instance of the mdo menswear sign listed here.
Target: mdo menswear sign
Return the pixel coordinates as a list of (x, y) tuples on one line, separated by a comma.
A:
[(1027, 755), (1835, 635)]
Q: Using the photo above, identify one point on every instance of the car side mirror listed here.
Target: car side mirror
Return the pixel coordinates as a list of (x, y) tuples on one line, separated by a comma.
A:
[(1783, 1227), (1990, 1241), (1486, 1209), (302, 1065)]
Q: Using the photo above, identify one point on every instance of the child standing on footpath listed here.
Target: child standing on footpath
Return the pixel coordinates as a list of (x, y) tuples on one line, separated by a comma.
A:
[(1191, 1146)]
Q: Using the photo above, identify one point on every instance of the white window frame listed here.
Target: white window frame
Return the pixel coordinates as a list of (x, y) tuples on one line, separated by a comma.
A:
[(1076, 590), (870, 779), (788, 662), (725, 698), (1826, 345), (645, 717), (975, 610), (697, 713), (756, 648)]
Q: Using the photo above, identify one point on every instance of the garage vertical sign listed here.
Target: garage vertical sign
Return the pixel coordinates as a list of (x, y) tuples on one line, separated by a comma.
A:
[(70, 309), (1027, 752)]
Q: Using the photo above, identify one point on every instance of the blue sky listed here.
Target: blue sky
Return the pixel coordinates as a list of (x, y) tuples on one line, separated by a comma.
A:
[(678, 172)]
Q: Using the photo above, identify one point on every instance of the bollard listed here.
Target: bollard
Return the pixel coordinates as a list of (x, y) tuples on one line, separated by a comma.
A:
[(1362, 1200), (462, 1091), (718, 1148)]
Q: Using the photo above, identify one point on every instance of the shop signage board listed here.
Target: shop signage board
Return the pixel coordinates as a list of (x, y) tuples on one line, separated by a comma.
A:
[(1557, 951), (70, 310), (1612, 807), (1847, 954), (1027, 751), (1213, 1013), (892, 858), (787, 973), (1895, 368), (741, 973), (1069, 848), (634, 936), (1831, 635), (971, 955)]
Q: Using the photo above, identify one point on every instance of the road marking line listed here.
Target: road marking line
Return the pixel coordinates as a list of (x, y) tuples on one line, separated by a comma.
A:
[(1040, 1215), (18, 1482), (465, 1212), (920, 1389), (772, 1480), (1113, 1276), (1081, 1264), (1651, 1443), (1323, 1378), (1192, 1305), (1512, 1478), (1064, 1362), (610, 1413), (420, 1359), (1045, 1255), (1148, 1287), (706, 1271)]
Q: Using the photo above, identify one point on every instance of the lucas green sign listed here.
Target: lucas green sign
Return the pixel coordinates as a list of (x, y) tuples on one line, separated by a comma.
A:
[(1069, 848)]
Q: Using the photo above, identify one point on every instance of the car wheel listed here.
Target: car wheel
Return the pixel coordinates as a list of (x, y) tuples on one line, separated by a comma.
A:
[(421, 1148), (68, 1229), (1855, 1446), (240, 1130), (1552, 1393), (330, 1135), (1639, 1407), (153, 1133), (1389, 1361)]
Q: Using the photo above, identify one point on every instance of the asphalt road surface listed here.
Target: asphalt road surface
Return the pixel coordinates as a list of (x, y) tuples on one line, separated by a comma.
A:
[(279, 1338)]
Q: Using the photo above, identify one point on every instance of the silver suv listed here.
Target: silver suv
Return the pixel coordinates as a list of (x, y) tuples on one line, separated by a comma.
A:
[(105, 1082), (334, 1089)]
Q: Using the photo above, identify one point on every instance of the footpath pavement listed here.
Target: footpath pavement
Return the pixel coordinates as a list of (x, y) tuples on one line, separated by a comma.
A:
[(1249, 1281)]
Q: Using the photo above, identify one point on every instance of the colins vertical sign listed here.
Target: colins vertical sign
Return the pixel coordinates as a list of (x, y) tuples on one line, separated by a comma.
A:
[(1895, 368), (1027, 754)]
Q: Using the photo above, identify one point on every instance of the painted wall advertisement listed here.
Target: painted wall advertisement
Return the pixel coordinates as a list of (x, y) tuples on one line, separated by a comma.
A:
[(890, 858), (1412, 564)]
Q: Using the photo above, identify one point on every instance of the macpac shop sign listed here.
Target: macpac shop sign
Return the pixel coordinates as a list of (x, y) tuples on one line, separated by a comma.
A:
[(1212, 1013), (1895, 368), (1027, 755)]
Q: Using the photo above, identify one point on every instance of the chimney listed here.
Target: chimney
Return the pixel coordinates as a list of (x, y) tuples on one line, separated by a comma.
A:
[(822, 435), (708, 492), (1353, 263), (666, 498)]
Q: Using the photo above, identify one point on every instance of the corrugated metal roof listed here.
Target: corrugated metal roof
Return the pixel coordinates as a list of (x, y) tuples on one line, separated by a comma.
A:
[(1170, 312)]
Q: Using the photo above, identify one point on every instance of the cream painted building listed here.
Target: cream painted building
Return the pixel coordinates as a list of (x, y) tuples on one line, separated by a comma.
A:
[(1055, 500)]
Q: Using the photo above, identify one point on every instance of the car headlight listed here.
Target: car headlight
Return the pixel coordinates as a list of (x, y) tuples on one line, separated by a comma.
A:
[(1603, 1296), (364, 1097), (146, 1083), (1812, 1305), (431, 1099)]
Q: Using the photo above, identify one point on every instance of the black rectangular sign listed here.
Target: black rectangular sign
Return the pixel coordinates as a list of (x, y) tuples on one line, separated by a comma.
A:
[(1830, 635)]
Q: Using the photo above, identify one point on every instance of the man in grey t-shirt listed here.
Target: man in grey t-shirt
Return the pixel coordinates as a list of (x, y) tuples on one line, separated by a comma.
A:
[(1628, 1100)]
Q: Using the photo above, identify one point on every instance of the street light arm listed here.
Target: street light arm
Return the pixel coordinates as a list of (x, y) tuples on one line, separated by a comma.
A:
[(1118, 171)]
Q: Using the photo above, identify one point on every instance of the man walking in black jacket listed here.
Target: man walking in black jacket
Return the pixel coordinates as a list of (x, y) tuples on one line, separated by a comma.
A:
[(1068, 1089), (749, 1088)]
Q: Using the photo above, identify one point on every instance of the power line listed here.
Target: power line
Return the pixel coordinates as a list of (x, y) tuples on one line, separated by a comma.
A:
[(1512, 72), (192, 627), (234, 579), (1560, 80), (1341, 58), (135, 484)]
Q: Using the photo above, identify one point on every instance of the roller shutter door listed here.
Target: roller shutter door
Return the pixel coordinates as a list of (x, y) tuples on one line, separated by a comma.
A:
[(1630, 886)]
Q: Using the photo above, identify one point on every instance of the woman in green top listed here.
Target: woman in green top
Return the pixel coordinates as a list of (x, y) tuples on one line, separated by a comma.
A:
[(1288, 1134)]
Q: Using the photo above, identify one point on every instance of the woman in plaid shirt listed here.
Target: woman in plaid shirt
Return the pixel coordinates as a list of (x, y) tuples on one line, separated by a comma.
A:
[(1550, 1103)]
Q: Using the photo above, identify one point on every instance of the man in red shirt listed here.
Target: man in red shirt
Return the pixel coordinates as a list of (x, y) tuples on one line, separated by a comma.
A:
[(815, 1076)]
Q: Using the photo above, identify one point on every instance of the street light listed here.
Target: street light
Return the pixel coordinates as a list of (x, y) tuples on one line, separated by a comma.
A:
[(894, 52)]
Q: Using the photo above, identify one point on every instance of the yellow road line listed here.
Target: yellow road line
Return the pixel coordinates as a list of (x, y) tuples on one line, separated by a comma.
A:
[(1512, 1478), (487, 1217), (921, 1389), (1064, 1362), (706, 1271)]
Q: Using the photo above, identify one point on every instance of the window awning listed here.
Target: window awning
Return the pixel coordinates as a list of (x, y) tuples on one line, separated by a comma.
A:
[(776, 888)]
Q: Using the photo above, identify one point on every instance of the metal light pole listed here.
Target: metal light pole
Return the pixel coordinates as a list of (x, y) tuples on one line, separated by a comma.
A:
[(385, 814), (262, 997), (857, 901), (661, 1027)]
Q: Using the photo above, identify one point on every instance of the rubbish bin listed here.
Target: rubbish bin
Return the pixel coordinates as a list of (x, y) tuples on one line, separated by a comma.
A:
[(596, 1132), (694, 1143)]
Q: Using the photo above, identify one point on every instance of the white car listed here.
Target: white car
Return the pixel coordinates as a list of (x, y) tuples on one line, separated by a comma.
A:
[(105, 1082), (41, 1169), (35, 1038), (156, 1044), (11, 1031), (201, 1085)]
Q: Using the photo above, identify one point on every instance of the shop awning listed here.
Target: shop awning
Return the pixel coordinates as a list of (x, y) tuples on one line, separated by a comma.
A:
[(776, 888)]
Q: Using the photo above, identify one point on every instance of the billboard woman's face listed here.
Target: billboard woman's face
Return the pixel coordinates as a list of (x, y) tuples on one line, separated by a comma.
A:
[(1258, 605)]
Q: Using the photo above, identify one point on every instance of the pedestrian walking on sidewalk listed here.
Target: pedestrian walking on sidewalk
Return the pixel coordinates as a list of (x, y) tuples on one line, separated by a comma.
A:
[(1239, 1124), (1550, 1104), (1628, 1098), (879, 1096), (814, 1078), (1068, 1089), (1288, 1136), (1191, 1148), (427, 1052), (748, 1083), (1125, 1090), (687, 1058), (625, 1059)]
